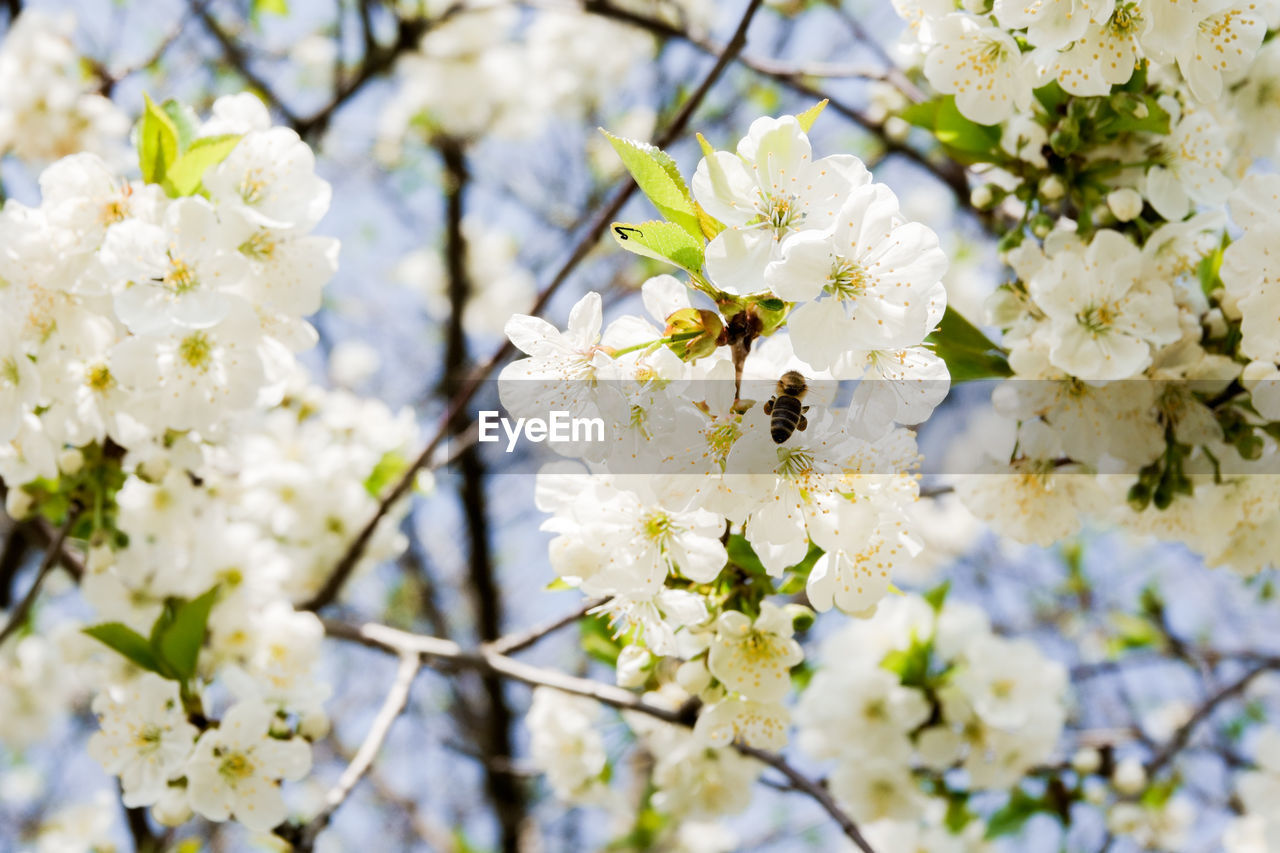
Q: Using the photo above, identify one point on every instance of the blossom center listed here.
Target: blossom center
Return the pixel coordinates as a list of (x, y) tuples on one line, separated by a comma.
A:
[(847, 279), (196, 350), (99, 378), (181, 278), (780, 211), (794, 462), (1098, 318), (236, 767)]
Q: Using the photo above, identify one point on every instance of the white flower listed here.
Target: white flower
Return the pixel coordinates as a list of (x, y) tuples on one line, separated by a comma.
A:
[(1194, 158), (1105, 55), (182, 272), (759, 724), (566, 744), (144, 739), (1105, 318), (1005, 680), (1050, 24), (981, 66), (236, 768), (755, 658), (269, 178), (770, 189), (1220, 49), (876, 788), (873, 274)]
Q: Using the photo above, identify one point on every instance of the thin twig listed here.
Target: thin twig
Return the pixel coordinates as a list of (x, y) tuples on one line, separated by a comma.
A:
[(513, 643), (347, 563), (304, 836), (52, 555), (448, 655), (1183, 734)]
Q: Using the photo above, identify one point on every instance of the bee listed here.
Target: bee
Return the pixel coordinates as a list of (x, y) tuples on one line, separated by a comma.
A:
[(787, 413)]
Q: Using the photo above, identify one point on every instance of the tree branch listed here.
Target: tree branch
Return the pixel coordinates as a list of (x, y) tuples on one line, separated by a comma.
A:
[(52, 555), (347, 563), (304, 837), (448, 655)]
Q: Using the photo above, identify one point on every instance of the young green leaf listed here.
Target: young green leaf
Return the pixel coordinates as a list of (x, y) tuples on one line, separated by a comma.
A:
[(809, 116), (659, 179), (969, 354), (187, 174), (664, 241), (126, 641), (185, 121), (157, 143), (181, 640)]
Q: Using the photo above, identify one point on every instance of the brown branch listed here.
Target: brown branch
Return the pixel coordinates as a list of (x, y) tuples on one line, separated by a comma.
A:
[(797, 78), (238, 59), (52, 555), (448, 655), (493, 737), (1184, 732), (595, 230)]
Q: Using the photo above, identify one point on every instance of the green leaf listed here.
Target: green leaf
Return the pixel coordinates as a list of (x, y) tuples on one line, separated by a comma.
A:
[(185, 121), (157, 143), (1126, 112), (969, 353), (1010, 819), (270, 7), (938, 595), (659, 179), (187, 174), (963, 134), (126, 641), (964, 139), (559, 584), (1051, 97), (598, 640), (809, 116), (388, 470), (742, 555), (664, 241), (911, 664), (181, 640)]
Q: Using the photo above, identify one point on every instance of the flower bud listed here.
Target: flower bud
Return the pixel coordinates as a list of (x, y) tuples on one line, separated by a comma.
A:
[(1052, 188), (70, 461), (172, 809), (1215, 324), (18, 503), (1086, 761), (1041, 225), (314, 725), (1125, 203), (801, 617), (693, 676), (982, 197), (632, 666), (896, 129), (703, 326), (1129, 778)]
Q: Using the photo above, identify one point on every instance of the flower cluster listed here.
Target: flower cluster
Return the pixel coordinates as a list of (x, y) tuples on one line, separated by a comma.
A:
[(152, 404), (921, 689), (1112, 140), (50, 105)]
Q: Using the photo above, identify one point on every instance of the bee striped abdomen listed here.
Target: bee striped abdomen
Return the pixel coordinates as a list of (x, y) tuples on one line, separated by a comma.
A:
[(785, 417)]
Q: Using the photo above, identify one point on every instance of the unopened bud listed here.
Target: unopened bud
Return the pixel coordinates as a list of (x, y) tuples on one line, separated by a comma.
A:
[(693, 676), (1129, 778), (703, 328), (1086, 761), (1125, 203), (896, 129), (632, 666), (314, 725), (18, 503), (70, 461), (1052, 188), (982, 197)]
